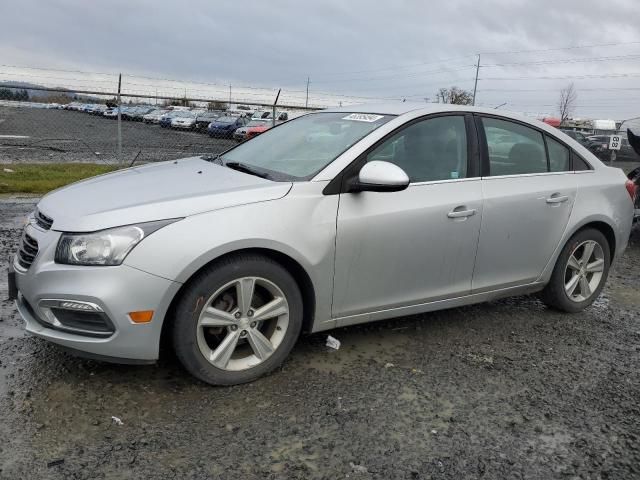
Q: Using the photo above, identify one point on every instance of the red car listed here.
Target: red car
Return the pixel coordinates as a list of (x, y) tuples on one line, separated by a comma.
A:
[(257, 130)]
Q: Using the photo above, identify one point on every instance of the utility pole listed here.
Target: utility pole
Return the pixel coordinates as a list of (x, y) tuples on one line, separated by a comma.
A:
[(475, 85), (120, 159), (229, 95), (306, 102)]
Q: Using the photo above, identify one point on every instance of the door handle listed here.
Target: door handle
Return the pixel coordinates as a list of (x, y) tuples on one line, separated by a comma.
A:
[(557, 198), (456, 213)]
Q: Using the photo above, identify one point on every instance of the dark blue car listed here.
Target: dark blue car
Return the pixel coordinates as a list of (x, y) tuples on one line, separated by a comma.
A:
[(225, 126), (165, 120)]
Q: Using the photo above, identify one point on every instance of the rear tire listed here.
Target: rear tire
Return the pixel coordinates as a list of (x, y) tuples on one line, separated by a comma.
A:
[(237, 320), (580, 272)]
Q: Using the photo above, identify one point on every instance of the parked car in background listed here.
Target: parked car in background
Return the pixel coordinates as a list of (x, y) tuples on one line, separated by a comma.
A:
[(257, 130), (240, 134), (184, 120), (140, 112), (336, 218), (165, 119), (599, 146), (135, 113), (577, 136), (112, 112), (154, 116), (205, 118), (262, 114), (224, 127), (626, 152), (96, 109)]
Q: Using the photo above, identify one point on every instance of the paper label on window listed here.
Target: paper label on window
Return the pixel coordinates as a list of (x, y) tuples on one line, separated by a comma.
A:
[(363, 117)]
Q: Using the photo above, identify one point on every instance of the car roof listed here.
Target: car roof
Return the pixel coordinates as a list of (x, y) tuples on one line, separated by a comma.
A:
[(400, 108), (418, 109)]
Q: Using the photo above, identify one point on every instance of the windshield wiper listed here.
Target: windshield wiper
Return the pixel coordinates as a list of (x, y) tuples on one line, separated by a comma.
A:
[(243, 167)]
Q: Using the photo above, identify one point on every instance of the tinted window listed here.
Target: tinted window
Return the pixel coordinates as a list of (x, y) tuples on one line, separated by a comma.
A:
[(429, 150), (558, 156), (579, 163), (513, 148)]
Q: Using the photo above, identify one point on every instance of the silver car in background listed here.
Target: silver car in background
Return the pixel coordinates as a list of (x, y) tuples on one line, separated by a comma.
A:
[(335, 218)]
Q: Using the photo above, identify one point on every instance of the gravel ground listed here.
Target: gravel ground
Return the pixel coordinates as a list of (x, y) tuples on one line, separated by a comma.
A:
[(68, 136), (507, 389)]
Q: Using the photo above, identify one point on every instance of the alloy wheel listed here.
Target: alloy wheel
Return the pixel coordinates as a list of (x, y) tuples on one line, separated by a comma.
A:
[(242, 323), (584, 271)]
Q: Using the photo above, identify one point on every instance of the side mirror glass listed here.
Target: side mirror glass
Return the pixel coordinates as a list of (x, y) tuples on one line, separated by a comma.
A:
[(378, 176)]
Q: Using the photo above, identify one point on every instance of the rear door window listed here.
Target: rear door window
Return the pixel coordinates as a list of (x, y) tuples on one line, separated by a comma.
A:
[(558, 156), (514, 149)]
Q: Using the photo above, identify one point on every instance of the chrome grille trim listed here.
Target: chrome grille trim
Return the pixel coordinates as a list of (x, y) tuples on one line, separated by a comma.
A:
[(42, 220), (27, 251)]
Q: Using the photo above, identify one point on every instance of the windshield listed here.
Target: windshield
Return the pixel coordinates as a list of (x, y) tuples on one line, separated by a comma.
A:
[(226, 120), (183, 113), (299, 149)]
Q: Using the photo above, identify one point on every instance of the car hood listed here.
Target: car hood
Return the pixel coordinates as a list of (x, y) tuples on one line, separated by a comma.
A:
[(154, 192)]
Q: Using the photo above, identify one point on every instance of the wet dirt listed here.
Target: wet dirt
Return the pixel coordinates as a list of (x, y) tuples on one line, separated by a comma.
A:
[(507, 389)]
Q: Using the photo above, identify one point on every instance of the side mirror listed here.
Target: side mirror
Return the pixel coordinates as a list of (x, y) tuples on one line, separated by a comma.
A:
[(379, 176)]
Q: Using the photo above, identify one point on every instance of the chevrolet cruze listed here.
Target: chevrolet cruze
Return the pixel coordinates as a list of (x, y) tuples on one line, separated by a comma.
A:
[(335, 218)]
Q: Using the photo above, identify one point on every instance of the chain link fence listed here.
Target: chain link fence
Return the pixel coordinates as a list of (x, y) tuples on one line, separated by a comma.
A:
[(42, 124)]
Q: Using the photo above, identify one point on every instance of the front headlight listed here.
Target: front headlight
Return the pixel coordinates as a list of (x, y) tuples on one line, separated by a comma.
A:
[(106, 247)]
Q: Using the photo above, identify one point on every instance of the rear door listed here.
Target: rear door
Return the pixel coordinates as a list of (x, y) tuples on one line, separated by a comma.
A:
[(528, 194)]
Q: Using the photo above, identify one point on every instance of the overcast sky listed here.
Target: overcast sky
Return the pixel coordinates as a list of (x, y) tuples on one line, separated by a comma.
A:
[(396, 49)]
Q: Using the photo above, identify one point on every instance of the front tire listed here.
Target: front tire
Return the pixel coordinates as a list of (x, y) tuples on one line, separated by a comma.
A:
[(580, 272), (237, 320)]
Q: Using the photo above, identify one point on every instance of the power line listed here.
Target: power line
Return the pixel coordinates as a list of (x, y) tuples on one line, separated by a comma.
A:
[(562, 48), (575, 60), (397, 67), (546, 89), (568, 77), (404, 75)]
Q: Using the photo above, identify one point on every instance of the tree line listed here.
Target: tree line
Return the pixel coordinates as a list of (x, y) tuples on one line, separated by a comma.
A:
[(21, 95)]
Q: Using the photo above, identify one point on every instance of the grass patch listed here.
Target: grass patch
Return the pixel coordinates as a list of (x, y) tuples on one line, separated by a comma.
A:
[(38, 178)]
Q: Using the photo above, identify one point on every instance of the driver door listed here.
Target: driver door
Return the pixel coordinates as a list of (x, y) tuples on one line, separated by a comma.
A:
[(396, 249)]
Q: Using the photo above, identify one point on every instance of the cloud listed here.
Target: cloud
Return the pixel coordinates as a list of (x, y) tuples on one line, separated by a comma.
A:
[(355, 47)]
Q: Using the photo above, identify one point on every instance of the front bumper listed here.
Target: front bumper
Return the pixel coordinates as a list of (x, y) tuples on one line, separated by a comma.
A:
[(115, 290)]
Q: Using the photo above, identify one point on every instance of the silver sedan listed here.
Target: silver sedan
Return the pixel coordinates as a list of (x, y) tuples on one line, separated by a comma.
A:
[(335, 218)]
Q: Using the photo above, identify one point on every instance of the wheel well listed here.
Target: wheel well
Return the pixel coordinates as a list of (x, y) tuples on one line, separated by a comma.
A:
[(293, 267), (608, 233)]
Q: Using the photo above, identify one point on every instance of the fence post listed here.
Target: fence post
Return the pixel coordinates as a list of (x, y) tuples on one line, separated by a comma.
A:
[(306, 102), (120, 159), (273, 119)]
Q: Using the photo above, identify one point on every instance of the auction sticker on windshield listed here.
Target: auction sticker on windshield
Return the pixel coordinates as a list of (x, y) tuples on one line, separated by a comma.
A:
[(363, 117)]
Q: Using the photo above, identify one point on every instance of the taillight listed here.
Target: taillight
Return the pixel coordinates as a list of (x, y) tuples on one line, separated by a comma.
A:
[(631, 188)]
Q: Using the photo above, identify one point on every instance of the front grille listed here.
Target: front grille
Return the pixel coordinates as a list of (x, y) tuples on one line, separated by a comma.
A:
[(43, 221), (27, 251)]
